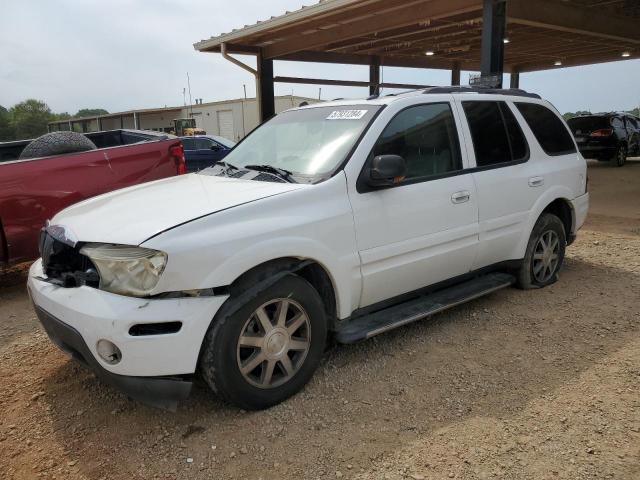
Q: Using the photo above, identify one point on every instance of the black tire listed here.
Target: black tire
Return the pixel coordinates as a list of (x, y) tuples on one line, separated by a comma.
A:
[(220, 356), (620, 158), (526, 278), (57, 143)]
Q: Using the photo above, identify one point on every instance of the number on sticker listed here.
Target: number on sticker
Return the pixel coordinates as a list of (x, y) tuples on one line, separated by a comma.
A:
[(347, 114)]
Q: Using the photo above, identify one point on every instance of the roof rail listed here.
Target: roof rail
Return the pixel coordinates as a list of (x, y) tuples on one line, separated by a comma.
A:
[(516, 92)]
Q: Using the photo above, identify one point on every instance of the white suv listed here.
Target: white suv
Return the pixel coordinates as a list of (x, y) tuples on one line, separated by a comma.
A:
[(342, 219)]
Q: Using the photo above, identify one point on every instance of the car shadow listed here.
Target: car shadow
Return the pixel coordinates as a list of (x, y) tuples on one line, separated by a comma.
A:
[(488, 358)]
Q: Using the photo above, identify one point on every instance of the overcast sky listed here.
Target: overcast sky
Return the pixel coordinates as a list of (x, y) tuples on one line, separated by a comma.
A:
[(126, 54)]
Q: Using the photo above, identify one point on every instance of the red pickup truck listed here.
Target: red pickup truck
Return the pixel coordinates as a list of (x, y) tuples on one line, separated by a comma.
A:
[(33, 190)]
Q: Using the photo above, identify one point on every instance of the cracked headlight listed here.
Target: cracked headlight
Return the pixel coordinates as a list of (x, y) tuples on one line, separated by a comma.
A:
[(132, 271)]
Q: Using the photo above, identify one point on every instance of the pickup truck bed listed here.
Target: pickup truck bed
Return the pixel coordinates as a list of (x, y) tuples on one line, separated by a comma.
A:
[(34, 190)]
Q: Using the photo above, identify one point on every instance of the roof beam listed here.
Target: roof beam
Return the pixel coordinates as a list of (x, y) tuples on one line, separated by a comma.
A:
[(346, 83), (420, 61), (566, 18), (433, 9)]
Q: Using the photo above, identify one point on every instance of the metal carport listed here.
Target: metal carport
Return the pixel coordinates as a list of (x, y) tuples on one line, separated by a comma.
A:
[(490, 36)]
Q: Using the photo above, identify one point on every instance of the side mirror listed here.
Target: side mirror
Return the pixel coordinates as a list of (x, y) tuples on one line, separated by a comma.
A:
[(215, 147), (387, 170)]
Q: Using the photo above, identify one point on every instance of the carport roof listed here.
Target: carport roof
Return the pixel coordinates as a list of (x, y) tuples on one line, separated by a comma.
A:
[(540, 33)]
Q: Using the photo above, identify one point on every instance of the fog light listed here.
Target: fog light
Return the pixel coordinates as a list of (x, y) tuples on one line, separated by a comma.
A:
[(109, 352)]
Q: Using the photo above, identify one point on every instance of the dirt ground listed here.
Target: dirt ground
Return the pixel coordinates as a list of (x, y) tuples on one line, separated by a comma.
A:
[(537, 385)]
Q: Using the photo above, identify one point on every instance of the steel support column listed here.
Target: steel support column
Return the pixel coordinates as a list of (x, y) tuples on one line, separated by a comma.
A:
[(455, 75), (374, 77), (492, 51), (515, 80), (264, 87)]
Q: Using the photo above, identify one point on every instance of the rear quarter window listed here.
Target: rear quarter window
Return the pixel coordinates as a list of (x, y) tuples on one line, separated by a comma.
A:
[(549, 130)]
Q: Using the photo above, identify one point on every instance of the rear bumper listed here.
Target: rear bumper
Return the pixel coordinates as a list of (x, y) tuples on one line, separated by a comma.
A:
[(161, 392), (597, 151)]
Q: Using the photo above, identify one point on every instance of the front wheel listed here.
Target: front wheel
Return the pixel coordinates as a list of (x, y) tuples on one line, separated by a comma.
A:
[(266, 349), (545, 253)]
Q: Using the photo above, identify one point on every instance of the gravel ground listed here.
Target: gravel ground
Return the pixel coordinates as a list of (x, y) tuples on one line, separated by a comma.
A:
[(518, 385)]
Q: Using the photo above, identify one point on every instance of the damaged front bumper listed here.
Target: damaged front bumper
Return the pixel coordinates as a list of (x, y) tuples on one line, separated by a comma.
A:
[(161, 392), (154, 366)]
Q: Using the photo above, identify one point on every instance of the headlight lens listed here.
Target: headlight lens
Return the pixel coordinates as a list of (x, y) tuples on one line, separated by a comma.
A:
[(132, 271)]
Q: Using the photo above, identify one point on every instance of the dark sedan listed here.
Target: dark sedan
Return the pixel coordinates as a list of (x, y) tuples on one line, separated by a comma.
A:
[(202, 151), (607, 137)]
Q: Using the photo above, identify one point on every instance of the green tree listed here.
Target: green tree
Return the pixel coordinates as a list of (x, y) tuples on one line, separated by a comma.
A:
[(569, 115), (61, 116), (29, 119), (6, 129), (91, 112)]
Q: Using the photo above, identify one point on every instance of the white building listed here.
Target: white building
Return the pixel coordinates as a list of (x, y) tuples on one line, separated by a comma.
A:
[(231, 119)]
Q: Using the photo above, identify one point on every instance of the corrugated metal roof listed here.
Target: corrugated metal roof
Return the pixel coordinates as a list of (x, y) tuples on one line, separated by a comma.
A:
[(304, 12)]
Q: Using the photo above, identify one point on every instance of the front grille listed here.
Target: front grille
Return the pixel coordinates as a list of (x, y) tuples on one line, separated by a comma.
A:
[(65, 265)]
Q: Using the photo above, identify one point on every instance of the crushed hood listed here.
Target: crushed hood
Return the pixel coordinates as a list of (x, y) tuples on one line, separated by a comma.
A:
[(132, 215)]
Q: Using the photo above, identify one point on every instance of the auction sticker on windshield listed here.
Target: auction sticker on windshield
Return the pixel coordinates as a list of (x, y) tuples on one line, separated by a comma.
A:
[(347, 114)]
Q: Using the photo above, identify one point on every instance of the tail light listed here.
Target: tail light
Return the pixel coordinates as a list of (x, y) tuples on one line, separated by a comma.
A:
[(605, 132), (177, 152)]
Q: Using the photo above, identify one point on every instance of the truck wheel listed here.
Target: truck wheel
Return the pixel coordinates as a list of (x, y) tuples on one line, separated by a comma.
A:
[(57, 143), (621, 156), (266, 349), (545, 253)]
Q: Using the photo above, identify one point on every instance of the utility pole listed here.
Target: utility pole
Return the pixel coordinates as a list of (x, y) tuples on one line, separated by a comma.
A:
[(190, 101)]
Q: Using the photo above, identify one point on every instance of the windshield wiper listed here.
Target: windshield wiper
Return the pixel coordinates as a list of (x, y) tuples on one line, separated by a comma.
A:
[(278, 172), (227, 167)]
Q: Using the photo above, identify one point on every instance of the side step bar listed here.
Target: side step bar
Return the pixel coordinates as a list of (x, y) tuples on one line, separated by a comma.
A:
[(367, 326)]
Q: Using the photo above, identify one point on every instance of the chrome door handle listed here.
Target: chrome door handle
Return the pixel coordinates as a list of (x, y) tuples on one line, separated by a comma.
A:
[(536, 181), (460, 197)]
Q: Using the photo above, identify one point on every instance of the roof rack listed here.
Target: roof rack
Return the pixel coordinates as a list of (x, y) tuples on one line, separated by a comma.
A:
[(516, 92)]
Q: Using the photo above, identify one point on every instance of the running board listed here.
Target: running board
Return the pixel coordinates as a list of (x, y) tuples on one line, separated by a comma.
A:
[(367, 326)]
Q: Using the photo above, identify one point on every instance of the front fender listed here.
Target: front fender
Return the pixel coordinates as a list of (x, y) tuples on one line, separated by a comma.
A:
[(339, 270)]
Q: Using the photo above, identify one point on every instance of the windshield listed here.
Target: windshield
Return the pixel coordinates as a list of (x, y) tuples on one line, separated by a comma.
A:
[(309, 142), (224, 141)]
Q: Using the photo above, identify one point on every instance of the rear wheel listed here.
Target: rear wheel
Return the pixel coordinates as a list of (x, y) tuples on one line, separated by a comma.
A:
[(621, 156), (267, 349), (545, 253)]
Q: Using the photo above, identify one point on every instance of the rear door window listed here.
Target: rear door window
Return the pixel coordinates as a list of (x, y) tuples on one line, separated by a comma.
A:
[(495, 132), (549, 130), (189, 143)]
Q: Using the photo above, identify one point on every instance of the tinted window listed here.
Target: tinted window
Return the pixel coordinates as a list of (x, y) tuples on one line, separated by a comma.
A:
[(203, 144), (426, 137), (633, 122), (517, 142), (189, 143), (496, 135), (548, 129)]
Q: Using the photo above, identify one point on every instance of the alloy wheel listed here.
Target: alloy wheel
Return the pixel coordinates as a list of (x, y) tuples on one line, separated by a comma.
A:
[(274, 343), (546, 256)]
